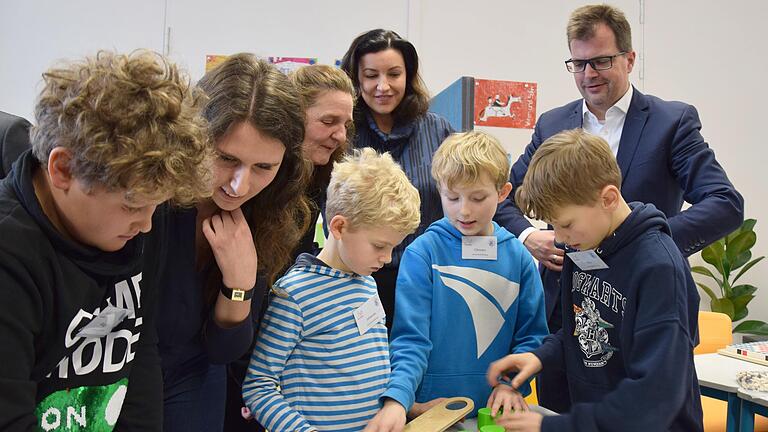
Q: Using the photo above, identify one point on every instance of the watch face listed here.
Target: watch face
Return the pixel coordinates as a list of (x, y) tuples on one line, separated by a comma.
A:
[(238, 295)]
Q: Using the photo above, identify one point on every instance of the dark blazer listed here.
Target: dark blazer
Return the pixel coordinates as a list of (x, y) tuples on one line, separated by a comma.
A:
[(664, 160), (14, 140)]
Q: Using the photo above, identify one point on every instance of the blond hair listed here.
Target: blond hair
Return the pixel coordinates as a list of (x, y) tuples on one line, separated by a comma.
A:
[(131, 122), (464, 157), (371, 190), (570, 168), (583, 20)]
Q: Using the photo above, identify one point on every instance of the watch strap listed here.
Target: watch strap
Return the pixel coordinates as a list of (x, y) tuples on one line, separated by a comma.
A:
[(236, 294)]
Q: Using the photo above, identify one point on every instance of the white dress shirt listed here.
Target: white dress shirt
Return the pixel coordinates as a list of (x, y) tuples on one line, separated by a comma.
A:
[(609, 129)]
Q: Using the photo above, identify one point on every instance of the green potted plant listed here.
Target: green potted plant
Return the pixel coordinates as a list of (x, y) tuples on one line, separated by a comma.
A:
[(727, 255)]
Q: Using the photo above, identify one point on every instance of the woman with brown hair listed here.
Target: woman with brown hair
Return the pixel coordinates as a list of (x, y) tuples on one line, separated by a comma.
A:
[(327, 96), (250, 225), (391, 116)]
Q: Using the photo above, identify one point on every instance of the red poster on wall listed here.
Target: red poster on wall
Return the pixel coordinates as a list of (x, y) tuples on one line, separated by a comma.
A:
[(509, 104)]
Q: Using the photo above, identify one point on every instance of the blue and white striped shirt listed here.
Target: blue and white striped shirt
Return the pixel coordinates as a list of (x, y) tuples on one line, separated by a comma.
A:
[(330, 376)]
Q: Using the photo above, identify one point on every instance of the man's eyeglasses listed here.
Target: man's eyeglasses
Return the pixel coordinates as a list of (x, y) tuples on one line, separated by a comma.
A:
[(597, 63)]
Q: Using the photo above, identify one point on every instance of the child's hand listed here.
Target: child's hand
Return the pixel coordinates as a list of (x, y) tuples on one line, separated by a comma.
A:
[(232, 245), (520, 421), (504, 396), (526, 365), (420, 408), (390, 418)]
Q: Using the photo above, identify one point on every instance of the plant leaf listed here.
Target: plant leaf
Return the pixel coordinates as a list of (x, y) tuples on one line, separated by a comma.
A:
[(747, 267), (713, 254), (723, 305), (741, 243), (752, 327), (740, 290), (732, 236), (741, 259), (740, 315), (707, 290), (748, 225), (726, 287), (740, 306), (706, 272)]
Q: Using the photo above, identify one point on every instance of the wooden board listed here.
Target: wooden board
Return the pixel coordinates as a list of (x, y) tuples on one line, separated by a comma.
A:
[(441, 416), (744, 357)]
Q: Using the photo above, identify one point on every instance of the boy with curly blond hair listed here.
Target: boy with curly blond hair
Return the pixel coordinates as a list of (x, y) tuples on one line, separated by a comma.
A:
[(116, 135)]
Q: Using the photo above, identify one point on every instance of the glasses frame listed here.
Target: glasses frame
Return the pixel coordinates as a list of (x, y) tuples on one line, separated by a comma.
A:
[(591, 62)]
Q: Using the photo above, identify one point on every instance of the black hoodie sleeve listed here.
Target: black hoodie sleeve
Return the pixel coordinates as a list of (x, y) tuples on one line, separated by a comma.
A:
[(225, 345), (21, 316)]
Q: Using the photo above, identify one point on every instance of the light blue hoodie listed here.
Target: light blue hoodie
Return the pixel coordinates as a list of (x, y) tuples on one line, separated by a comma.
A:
[(456, 316)]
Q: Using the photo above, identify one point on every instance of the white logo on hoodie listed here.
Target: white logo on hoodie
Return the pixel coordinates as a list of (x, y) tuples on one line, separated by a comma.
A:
[(486, 316)]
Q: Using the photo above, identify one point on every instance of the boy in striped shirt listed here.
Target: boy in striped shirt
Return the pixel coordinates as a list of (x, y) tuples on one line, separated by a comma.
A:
[(321, 359)]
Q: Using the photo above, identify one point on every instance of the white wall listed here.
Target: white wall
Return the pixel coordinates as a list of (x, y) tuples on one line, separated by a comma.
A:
[(713, 60), (322, 29), (707, 53), (35, 34)]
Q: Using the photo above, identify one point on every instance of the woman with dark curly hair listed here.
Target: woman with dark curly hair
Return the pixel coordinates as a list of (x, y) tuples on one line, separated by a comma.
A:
[(251, 224), (391, 116)]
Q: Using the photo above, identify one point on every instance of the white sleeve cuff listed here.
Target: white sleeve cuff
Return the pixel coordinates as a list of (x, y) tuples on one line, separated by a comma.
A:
[(526, 232)]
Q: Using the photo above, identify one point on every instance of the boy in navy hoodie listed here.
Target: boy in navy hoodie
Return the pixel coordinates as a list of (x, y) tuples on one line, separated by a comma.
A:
[(115, 136), (630, 306), (467, 293)]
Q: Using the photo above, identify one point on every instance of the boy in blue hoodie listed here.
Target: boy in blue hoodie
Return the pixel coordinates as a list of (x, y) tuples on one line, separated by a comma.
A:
[(630, 306), (467, 293)]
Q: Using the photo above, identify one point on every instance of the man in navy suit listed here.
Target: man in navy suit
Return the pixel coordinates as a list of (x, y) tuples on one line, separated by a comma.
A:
[(664, 160)]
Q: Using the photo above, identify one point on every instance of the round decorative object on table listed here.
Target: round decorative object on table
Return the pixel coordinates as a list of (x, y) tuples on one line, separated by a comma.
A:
[(753, 380)]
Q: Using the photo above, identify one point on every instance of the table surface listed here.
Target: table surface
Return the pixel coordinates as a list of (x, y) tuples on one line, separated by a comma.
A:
[(719, 372), (760, 398)]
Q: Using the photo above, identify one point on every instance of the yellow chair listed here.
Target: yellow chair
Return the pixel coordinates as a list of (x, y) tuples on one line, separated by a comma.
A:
[(531, 399), (714, 334)]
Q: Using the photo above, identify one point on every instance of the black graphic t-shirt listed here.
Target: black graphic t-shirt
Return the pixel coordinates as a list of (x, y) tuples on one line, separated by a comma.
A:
[(77, 339)]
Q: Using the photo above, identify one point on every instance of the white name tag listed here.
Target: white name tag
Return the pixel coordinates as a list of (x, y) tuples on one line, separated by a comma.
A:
[(478, 247), (587, 260), (369, 314), (103, 323)]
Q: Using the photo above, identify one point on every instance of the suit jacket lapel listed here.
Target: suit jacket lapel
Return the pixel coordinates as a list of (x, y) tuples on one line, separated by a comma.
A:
[(632, 131), (576, 119)]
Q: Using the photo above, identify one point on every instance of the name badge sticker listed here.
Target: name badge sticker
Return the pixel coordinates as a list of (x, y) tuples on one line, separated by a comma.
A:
[(369, 314), (479, 247), (103, 323), (587, 260)]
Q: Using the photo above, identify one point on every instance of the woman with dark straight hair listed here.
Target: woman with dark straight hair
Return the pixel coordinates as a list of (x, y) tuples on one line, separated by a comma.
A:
[(391, 116)]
